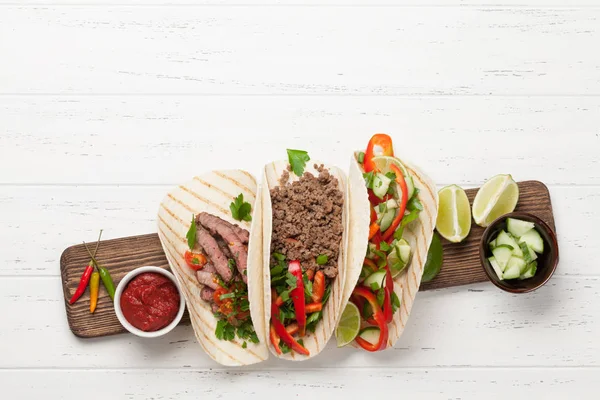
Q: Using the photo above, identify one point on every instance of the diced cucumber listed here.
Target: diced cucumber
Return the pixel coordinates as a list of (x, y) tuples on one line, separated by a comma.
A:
[(517, 262), (512, 273), (399, 257), (518, 227), (504, 238), (502, 255), (528, 253), (387, 219), (531, 270), (381, 184), (375, 281), (496, 267), (533, 240), (387, 205), (370, 334), (493, 244), (371, 251), (410, 184)]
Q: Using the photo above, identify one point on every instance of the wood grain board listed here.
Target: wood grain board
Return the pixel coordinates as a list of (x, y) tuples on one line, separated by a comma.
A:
[(461, 264)]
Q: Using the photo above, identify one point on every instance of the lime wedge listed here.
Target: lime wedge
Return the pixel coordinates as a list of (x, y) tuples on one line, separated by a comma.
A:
[(454, 214), (349, 325), (498, 196)]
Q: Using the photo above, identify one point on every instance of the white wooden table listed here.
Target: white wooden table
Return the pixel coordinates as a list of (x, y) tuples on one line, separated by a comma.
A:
[(104, 104)]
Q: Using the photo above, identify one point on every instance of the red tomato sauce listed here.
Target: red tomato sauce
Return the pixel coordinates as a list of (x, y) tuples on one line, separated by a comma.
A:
[(150, 301)]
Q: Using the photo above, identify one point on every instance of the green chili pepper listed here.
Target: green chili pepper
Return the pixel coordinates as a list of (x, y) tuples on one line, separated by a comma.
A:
[(107, 280)]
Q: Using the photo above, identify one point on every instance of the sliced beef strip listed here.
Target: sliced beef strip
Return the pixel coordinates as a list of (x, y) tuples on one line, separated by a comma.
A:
[(207, 278), (208, 267), (215, 307), (207, 293), (307, 220), (214, 253), (237, 248), (211, 222), (224, 247)]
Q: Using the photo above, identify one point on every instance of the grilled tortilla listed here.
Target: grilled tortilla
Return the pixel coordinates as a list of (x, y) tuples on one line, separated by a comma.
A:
[(314, 342), (213, 193), (418, 233)]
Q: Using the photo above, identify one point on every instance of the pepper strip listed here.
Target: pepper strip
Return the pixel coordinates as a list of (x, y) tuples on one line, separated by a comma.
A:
[(297, 295), (318, 287), (402, 183), (378, 317), (283, 334), (387, 299), (379, 145), (275, 339)]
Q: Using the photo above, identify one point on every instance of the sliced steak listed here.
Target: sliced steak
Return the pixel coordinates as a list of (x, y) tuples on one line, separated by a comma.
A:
[(207, 293), (214, 252), (215, 307), (208, 267), (224, 247), (212, 222), (237, 248), (207, 278)]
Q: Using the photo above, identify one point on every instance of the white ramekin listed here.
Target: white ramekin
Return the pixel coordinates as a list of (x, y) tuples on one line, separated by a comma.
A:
[(123, 284)]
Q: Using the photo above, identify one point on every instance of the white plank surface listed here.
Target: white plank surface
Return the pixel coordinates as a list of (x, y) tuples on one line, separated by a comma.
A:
[(165, 139), (298, 50), (106, 103)]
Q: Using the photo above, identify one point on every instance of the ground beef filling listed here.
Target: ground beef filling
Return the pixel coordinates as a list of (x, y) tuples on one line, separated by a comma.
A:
[(307, 220)]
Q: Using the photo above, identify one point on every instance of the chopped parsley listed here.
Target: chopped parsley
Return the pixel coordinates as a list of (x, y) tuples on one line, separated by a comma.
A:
[(225, 331), (241, 210), (298, 160), (380, 297), (191, 233), (322, 259), (369, 178)]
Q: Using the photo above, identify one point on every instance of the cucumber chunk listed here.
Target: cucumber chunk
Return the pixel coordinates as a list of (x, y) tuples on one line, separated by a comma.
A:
[(502, 255), (512, 273), (370, 334), (528, 254), (517, 262), (496, 267), (375, 281), (505, 238), (381, 184), (533, 240), (399, 257), (410, 184), (387, 219), (518, 227), (531, 270)]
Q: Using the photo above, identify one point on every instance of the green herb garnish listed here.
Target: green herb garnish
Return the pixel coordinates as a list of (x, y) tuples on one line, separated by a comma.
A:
[(369, 178), (384, 246), (322, 259), (191, 233), (395, 302), (361, 157), (380, 296), (241, 210), (224, 330), (244, 345), (298, 160)]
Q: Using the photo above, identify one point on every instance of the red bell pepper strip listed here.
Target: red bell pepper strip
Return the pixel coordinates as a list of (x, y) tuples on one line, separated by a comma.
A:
[(379, 145), (313, 307), (318, 289), (275, 339), (297, 295), (283, 334), (387, 299), (378, 317), (195, 261), (402, 183), (292, 329)]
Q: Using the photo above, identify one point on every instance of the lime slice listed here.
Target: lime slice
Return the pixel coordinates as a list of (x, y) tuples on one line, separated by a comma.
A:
[(498, 196), (349, 325), (382, 163), (454, 214)]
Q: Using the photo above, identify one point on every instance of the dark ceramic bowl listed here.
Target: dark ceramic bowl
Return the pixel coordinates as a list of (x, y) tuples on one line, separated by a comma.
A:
[(547, 261)]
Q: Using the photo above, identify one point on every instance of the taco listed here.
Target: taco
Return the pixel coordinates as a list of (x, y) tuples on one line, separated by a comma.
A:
[(211, 231), (304, 214), (394, 209)]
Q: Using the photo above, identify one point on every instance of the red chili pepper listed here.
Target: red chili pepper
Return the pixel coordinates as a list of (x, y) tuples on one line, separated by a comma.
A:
[(195, 261), (83, 283), (313, 307), (275, 339), (379, 145), (402, 183), (297, 295), (318, 289), (378, 317), (283, 334)]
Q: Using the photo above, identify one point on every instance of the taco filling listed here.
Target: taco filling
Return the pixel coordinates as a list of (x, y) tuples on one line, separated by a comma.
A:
[(305, 247), (394, 203), (219, 255)]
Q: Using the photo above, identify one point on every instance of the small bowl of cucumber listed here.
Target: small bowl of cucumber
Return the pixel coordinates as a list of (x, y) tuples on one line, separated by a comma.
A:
[(519, 252)]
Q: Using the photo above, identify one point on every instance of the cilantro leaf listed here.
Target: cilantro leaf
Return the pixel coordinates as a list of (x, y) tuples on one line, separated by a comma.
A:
[(191, 233), (395, 302), (369, 178), (361, 157), (384, 246), (408, 218), (414, 204), (279, 256), (284, 348), (244, 345), (322, 259), (298, 160), (391, 175), (398, 233), (240, 209), (380, 296)]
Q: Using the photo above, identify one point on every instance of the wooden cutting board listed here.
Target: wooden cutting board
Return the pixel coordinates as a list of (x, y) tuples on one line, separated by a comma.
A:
[(461, 264)]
